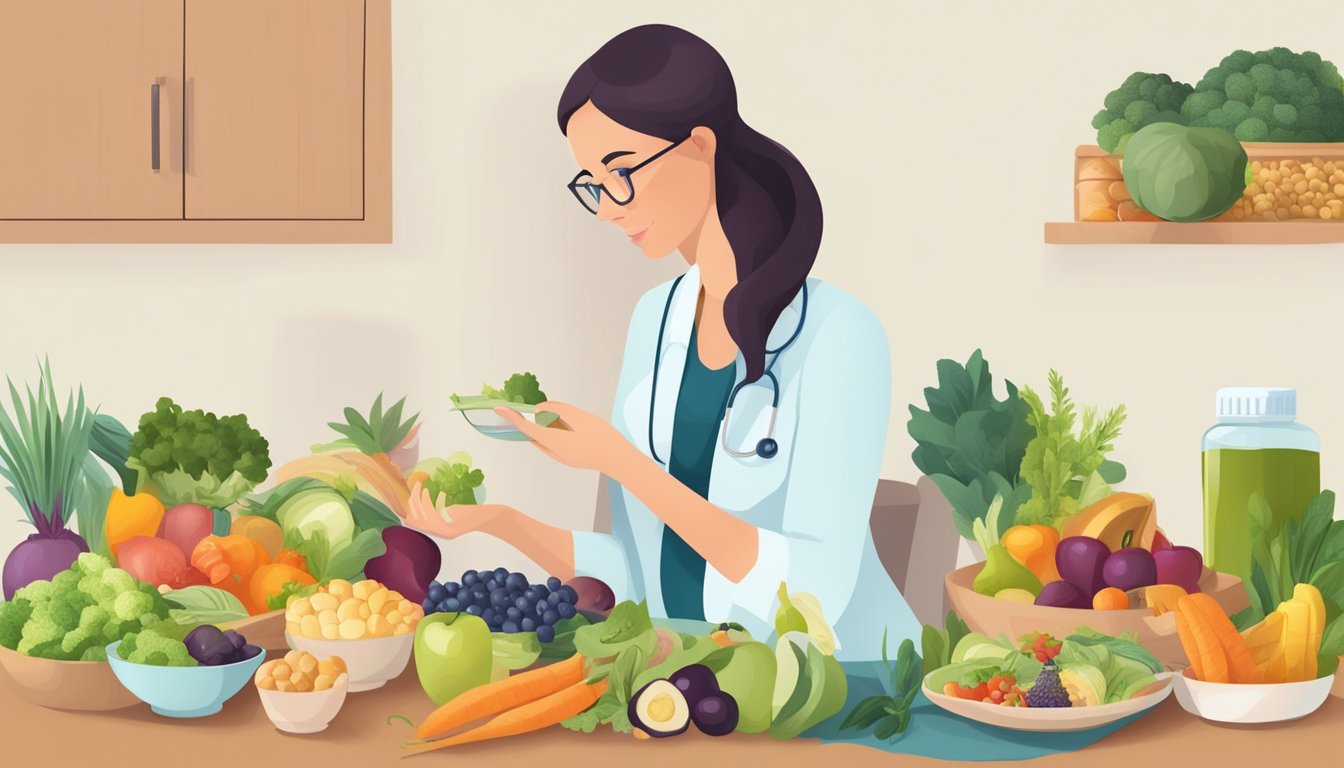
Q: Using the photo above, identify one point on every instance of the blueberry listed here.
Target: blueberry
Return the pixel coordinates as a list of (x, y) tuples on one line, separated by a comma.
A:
[(542, 607), (565, 610), (492, 585), (509, 627), (514, 614), (474, 610), (523, 604), (545, 634), (516, 582), (451, 588), (554, 599), (437, 591), (553, 583), (569, 594), (550, 617), (497, 623), (451, 604), (469, 579), (489, 615), (429, 605), (501, 573), (528, 625), (478, 593), (500, 599)]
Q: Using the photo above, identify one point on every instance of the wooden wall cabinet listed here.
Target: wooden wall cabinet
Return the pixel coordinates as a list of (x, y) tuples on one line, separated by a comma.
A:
[(195, 121)]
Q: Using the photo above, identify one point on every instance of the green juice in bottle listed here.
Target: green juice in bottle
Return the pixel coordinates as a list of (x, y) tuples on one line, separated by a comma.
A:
[(1257, 447)]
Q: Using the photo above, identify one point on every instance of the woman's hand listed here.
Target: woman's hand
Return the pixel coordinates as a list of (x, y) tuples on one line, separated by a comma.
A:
[(583, 441), (427, 515)]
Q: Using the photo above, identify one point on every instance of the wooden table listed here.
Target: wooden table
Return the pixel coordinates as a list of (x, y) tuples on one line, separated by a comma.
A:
[(242, 737)]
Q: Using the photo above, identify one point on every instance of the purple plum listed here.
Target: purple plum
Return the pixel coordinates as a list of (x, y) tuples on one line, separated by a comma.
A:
[(1081, 561), (1062, 594), (1181, 566), (1130, 568)]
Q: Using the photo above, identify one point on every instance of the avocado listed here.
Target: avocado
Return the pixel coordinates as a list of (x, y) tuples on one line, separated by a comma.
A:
[(1002, 572), (746, 672), (659, 709)]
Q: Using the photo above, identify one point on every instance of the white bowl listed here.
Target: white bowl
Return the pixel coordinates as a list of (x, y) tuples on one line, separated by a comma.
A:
[(1251, 703), (370, 662), (1053, 720), (310, 712)]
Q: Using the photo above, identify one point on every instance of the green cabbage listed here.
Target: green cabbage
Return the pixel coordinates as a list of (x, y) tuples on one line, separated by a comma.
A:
[(1184, 174)]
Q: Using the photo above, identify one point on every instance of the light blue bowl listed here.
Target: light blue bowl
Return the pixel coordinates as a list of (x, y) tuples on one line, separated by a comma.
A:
[(183, 691)]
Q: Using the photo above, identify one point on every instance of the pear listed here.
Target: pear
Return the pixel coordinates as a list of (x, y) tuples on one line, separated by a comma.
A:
[(1002, 571)]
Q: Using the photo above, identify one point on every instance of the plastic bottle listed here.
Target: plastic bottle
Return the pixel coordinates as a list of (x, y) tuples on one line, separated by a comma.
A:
[(1257, 447)]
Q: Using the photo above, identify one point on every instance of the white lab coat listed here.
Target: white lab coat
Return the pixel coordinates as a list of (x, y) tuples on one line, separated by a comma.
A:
[(810, 503)]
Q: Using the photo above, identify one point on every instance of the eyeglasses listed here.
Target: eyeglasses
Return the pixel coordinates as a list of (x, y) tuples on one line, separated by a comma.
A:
[(617, 186)]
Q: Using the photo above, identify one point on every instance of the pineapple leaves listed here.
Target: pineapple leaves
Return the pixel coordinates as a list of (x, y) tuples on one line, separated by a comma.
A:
[(379, 432)]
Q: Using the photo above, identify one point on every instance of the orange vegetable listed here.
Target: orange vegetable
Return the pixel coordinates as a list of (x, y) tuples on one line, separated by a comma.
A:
[(131, 516), (219, 557), (1240, 663), (533, 716), (1190, 646), (1110, 599), (270, 580), (290, 557), (1034, 547), (1163, 598), (263, 530), (504, 694)]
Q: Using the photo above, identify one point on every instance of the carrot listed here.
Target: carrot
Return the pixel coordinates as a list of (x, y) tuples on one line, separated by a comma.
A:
[(493, 698), (533, 716), (1212, 666), (1188, 645), (1240, 662)]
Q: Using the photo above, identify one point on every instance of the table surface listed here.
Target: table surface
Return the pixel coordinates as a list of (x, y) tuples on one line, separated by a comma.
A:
[(242, 736)]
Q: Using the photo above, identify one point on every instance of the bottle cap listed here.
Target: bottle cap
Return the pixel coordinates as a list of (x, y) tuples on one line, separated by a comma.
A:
[(1257, 403)]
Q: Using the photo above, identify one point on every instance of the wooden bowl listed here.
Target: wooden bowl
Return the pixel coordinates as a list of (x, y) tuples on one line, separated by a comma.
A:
[(88, 686), (993, 617)]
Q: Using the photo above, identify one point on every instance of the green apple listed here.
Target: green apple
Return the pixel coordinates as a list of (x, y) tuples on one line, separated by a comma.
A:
[(746, 671), (453, 654)]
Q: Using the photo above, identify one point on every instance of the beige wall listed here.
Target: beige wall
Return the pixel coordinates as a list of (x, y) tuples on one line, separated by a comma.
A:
[(940, 135)]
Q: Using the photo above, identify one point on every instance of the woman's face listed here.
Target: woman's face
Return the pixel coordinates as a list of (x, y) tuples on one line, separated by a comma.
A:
[(671, 195)]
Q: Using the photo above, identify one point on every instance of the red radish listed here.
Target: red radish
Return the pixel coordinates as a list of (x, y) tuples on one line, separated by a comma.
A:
[(151, 560), (186, 524)]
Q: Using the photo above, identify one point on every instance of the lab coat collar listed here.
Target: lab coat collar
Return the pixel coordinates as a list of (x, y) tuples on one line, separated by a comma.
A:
[(676, 342)]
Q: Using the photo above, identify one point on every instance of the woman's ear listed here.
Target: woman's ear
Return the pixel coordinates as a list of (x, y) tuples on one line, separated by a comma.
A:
[(705, 142)]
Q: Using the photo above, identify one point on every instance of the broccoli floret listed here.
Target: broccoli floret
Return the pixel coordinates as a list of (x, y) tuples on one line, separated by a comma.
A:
[(76, 641), (150, 647), (93, 618), (35, 593), (13, 615), (94, 653), (66, 580), (115, 630), (119, 580), (1142, 99), (1291, 97), (130, 606), (520, 388), (91, 564), (39, 630), (48, 650), (170, 438)]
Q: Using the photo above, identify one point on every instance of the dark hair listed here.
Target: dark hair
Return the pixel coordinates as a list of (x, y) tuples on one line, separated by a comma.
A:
[(664, 81)]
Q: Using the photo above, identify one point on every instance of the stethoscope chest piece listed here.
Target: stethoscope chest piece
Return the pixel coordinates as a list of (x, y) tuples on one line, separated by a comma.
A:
[(767, 448)]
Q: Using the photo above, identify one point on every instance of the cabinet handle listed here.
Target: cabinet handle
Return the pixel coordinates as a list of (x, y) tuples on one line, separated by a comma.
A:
[(188, 103), (154, 127)]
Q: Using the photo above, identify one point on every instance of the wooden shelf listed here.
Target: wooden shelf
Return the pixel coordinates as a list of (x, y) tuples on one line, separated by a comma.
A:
[(1199, 233)]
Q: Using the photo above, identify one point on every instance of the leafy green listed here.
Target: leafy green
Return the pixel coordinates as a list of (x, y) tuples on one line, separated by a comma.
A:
[(1125, 646), (1058, 463), (377, 433), (632, 637), (197, 457), (345, 563), (1124, 674), (938, 643), (287, 590), (627, 625), (890, 714), (457, 483), (970, 443), (204, 605), (1309, 550), (111, 442), (562, 647), (516, 650)]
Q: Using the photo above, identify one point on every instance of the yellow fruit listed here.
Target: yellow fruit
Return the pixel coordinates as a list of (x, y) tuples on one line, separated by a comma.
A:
[(1015, 596), (1162, 598), (1311, 596), (377, 600), (1119, 520), (310, 627), (340, 588), (1296, 626), (1265, 640), (331, 632), (323, 601)]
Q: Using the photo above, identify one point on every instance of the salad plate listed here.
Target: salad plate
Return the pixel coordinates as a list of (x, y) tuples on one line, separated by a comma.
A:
[(479, 411), (1054, 720)]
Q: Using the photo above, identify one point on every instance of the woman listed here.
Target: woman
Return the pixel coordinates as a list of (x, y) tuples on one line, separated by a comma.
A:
[(718, 498)]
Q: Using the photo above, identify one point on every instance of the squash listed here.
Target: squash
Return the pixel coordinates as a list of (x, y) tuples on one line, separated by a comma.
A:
[(1120, 520)]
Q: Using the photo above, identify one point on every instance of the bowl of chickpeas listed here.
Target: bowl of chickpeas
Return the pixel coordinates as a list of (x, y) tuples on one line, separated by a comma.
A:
[(371, 627), (301, 693)]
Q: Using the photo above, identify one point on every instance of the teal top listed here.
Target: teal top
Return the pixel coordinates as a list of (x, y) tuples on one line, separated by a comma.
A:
[(701, 401)]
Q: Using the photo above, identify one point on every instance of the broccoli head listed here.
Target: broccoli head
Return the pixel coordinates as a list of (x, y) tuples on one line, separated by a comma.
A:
[(520, 388), (91, 564), (151, 647), (1142, 99), (169, 439), (130, 606), (1272, 95), (36, 593)]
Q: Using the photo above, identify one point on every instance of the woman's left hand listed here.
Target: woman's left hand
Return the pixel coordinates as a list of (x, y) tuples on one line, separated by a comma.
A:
[(584, 441)]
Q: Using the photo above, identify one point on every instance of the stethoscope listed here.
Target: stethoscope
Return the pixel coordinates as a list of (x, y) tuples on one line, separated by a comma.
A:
[(766, 447)]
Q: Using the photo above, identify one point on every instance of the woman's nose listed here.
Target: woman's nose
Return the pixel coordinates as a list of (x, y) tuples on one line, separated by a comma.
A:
[(608, 210)]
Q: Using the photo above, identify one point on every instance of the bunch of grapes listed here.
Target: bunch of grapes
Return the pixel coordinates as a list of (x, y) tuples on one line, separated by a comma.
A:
[(505, 601)]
